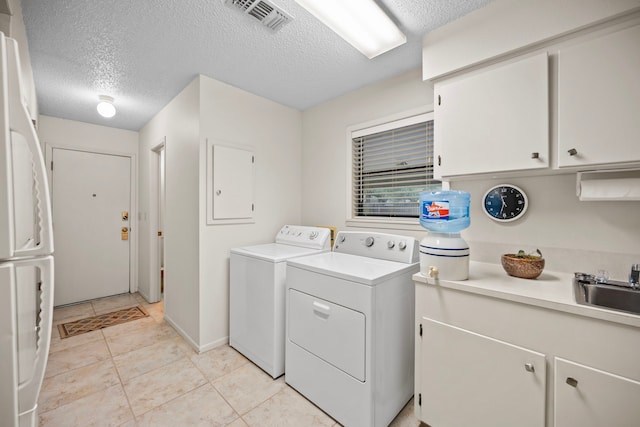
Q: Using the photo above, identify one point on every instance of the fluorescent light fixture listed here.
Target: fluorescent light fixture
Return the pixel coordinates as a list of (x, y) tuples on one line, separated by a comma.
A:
[(360, 22), (105, 106)]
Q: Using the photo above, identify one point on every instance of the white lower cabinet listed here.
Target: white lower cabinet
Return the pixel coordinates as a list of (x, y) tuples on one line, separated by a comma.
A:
[(473, 380), (490, 361), (589, 397)]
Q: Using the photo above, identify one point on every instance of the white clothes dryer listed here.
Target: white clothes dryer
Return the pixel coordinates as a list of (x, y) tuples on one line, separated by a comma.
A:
[(350, 327), (257, 293)]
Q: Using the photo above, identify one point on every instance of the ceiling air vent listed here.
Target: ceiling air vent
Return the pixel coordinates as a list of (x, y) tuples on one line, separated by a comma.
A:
[(264, 11)]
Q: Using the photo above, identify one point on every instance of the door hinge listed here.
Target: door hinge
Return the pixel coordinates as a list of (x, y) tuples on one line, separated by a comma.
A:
[(420, 329), (419, 399)]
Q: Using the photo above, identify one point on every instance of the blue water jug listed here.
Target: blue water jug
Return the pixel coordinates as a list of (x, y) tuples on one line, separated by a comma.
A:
[(444, 211)]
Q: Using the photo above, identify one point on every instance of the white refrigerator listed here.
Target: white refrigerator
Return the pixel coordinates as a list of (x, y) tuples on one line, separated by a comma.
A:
[(26, 248)]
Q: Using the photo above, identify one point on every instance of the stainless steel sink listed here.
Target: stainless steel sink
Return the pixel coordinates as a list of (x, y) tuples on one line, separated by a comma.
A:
[(611, 294)]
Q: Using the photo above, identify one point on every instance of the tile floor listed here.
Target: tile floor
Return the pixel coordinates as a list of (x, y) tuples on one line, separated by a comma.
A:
[(142, 373)]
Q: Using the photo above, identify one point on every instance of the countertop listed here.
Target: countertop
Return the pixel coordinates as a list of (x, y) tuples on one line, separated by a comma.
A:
[(550, 290)]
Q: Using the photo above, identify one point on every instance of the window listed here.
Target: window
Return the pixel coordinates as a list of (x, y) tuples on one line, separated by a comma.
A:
[(392, 164)]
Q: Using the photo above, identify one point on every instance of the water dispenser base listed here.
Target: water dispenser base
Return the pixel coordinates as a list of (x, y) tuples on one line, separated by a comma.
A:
[(444, 253)]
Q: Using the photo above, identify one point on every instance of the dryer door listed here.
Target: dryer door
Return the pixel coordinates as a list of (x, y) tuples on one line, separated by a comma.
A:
[(333, 333)]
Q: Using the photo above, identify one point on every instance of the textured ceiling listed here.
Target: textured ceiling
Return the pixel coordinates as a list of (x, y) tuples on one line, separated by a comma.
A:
[(144, 52)]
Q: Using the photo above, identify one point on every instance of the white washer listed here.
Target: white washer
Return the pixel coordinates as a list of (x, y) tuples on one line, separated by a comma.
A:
[(257, 293), (350, 327)]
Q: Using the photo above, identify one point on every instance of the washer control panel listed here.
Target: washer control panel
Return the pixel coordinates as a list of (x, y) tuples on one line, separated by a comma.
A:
[(391, 247), (308, 237)]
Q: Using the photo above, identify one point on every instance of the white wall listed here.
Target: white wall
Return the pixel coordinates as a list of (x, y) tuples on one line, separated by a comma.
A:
[(177, 125), (233, 116), (197, 255), (73, 134), (324, 162), (573, 235)]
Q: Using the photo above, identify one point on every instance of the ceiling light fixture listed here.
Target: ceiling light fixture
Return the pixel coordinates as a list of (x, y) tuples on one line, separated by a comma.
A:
[(360, 22), (105, 106)]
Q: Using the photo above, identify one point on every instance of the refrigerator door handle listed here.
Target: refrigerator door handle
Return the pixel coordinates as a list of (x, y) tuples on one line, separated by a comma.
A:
[(20, 122), (29, 389)]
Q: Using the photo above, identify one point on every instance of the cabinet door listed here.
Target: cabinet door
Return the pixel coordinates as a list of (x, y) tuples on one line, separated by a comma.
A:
[(494, 120), (599, 100), (588, 397), (468, 379), (230, 191)]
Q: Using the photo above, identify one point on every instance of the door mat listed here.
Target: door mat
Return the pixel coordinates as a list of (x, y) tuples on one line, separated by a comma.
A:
[(101, 321)]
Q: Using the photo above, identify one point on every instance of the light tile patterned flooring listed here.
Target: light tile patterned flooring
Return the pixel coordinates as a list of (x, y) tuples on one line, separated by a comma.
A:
[(142, 373)]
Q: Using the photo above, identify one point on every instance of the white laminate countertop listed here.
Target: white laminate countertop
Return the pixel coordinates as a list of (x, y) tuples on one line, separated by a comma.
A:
[(551, 290)]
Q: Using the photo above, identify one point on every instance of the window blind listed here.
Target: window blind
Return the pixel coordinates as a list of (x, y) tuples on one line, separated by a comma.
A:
[(390, 170)]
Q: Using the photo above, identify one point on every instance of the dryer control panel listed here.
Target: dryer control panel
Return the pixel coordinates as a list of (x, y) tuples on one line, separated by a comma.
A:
[(390, 247)]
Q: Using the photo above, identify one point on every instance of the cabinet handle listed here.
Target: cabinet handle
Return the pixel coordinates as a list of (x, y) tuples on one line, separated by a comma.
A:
[(529, 367), (572, 382), (535, 155), (572, 152), (439, 161)]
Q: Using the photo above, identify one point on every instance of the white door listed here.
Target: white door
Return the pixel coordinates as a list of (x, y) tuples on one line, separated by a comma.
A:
[(91, 197)]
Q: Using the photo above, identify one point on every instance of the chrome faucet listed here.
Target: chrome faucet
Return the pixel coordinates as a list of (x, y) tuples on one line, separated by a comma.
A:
[(634, 277)]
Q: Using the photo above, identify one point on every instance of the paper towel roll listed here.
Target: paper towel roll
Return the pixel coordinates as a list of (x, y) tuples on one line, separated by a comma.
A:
[(609, 189)]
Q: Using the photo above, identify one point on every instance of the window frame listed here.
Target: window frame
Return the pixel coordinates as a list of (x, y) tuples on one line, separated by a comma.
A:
[(394, 121)]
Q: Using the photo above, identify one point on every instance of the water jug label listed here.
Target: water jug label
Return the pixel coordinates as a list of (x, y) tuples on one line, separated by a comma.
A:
[(435, 210)]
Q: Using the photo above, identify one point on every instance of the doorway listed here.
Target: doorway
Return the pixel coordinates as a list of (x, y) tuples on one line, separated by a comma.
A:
[(157, 221), (91, 200)]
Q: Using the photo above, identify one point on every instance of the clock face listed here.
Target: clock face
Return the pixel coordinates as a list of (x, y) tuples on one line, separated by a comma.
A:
[(505, 202)]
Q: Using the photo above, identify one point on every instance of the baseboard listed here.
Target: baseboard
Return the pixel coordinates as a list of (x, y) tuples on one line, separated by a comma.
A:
[(181, 332), (191, 342), (145, 296), (214, 344)]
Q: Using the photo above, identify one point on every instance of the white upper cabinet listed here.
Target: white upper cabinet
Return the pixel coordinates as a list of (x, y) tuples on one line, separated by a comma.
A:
[(599, 100), (493, 120)]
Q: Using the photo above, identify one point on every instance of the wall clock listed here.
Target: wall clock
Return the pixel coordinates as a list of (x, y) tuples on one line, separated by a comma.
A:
[(505, 202)]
